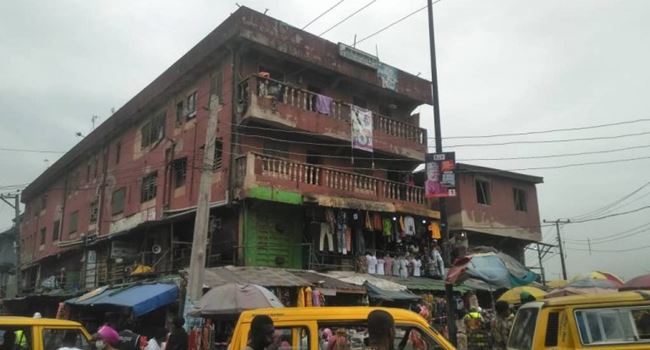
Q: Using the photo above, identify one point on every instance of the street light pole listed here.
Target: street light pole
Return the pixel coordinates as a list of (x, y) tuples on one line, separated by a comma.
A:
[(449, 288)]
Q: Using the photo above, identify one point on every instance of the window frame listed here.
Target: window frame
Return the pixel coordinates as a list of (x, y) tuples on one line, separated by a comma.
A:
[(43, 337), (519, 203), (94, 211), (191, 108), (153, 130), (149, 187), (179, 171), (217, 162), (121, 209), (73, 223), (617, 309), (487, 194), (42, 236), (56, 230)]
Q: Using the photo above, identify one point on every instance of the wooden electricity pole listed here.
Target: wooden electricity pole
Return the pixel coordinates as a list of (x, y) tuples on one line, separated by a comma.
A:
[(201, 220)]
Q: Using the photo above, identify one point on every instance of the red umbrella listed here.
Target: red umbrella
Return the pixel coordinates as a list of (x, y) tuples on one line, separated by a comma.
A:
[(638, 282)]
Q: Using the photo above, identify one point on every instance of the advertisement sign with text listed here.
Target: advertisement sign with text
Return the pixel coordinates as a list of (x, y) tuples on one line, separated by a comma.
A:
[(441, 175)]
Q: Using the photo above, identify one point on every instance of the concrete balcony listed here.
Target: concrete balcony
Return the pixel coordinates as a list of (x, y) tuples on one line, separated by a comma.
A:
[(277, 179), (280, 104)]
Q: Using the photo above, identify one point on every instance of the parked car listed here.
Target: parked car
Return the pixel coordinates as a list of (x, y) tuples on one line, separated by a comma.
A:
[(43, 333), (605, 321), (304, 326)]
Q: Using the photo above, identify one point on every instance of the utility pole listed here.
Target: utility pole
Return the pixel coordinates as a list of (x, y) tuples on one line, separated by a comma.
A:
[(559, 243), (541, 266), (201, 220), (16, 207), (449, 288)]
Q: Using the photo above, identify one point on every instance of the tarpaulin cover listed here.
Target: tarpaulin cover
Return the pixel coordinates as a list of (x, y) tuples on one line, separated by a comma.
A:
[(141, 299), (389, 295), (495, 268)]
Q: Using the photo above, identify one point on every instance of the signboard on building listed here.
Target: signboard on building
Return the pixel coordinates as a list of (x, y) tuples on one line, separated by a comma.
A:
[(441, 175), (120, 249), (358, 56), (361, 128), (90, 277)]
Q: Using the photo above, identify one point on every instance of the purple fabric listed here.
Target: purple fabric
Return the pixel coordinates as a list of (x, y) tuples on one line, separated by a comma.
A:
[(323, 104)]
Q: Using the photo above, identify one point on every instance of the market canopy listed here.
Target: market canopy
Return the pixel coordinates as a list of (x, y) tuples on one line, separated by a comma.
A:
[(638, 282), (233, 298), (375, 292), (263, 276), (140, 298), (491, 266)]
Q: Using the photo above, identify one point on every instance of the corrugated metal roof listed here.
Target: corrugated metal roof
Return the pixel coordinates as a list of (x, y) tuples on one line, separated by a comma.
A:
[(327, 282), (263, 276)]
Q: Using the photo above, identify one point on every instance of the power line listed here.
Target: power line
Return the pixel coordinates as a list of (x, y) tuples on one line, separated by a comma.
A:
[(348, 17), (548, 141), (610, 205), (558, 155), (28, 150), (615, 237), (322, 14), (394, 23), (613, 215), (524, 133), (612, 250), (577, 164)]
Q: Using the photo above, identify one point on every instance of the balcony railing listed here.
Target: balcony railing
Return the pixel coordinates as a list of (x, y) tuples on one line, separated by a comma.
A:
[(300, 98), (256, 168)]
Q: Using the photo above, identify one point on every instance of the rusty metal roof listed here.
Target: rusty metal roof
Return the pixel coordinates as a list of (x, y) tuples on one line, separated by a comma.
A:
[(327, 282), (263, 276)]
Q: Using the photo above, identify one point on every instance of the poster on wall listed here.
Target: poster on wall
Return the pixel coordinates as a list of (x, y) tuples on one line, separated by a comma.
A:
[(441, 175), (361, 128)]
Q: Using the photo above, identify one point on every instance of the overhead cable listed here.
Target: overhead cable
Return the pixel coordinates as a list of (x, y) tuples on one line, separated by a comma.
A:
[(322, 14), (348, 17)]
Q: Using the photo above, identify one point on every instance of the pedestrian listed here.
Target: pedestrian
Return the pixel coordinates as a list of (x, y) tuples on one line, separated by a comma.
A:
[(501, 325), (381, 330), (106, 338), (261, 334), (129, 340), (178, 337)]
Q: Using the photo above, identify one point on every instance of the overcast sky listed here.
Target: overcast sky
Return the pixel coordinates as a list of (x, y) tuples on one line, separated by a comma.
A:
[(504, 66)]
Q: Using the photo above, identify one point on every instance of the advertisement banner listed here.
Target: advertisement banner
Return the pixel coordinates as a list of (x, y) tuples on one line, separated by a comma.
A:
[(441, 175), (361, 128)]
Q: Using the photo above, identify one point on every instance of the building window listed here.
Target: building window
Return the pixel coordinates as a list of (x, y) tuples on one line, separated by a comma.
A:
[(483, 195), (191, 105), (118, 150), (218, 154), (117, 201), (55, 230), (94, 211), (153, 130), (43, 232), (216, 86), (179, 171), (520, 199), (276, 148), (148, 190), (72, 228), (180, 113), (73, 182)]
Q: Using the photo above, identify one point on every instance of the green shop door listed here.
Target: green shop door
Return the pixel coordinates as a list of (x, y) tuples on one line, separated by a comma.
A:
[(273, 234)]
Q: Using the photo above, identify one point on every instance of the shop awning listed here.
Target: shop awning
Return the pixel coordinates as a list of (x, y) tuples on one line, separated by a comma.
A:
[(324, 282), (425, 284), (375, 292), (141, 299), (263, 276)]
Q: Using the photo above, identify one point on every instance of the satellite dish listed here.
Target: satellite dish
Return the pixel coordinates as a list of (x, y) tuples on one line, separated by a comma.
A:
[(156, 249)]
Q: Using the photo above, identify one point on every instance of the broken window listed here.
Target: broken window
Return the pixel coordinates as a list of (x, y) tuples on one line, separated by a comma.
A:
[(55, 230), (43, 232), (191, 105), (94, 211), (218, 155), (117, 201), (483, 192), (276, 148), (520, 199), (153, 130), (72, 226), (118, 150), (216, 86), (149, 187), (179, 171), (180, 113)]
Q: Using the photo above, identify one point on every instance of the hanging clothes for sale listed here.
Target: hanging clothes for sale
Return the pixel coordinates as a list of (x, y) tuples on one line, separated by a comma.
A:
[(434, 229), (402, 226), (377, 224), (368, 222), (396, 266), (341, 228), (300, 302), (315, 297), (308, 297), (380, 266), (409, 223), (388, 265), (417, 266), (387, 227), (326, 234)]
